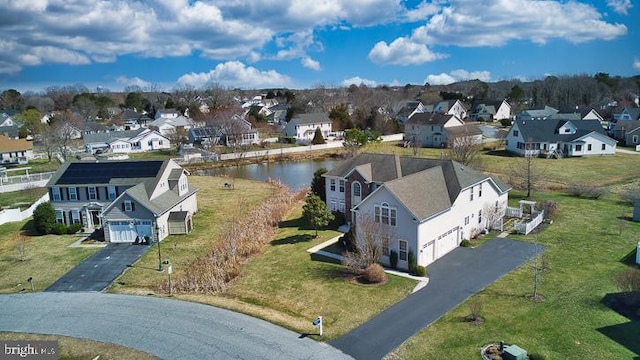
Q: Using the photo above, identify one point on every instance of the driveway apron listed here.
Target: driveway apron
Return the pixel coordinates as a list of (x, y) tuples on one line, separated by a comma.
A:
[(100, 269), (452, 279)]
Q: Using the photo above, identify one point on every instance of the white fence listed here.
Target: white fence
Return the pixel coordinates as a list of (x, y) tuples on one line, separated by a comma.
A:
[(17, 183), (513, 212), (526, 228), (14, 215)]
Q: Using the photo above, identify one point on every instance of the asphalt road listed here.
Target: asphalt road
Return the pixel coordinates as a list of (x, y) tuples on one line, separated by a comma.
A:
[(169, 329), (100, 269), (452, 279)]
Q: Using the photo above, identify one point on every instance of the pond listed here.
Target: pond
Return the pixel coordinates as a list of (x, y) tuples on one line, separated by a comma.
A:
[(294, 174)]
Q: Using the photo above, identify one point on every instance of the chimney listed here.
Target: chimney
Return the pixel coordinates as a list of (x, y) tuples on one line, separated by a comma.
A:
[(398, 167)]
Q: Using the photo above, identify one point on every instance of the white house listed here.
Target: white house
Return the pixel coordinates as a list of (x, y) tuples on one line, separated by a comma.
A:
[(167, 114), (408, 108), (559, 138), (503, 111), (303, 126), (168, 126), (15, 151), (127, 141), (425, 206), (438, 130)]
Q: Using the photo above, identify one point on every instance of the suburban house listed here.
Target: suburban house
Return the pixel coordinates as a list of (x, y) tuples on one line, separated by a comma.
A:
[(407, 109), (171, 122), (15, 151), (6, 119), (12, 132), (438, 130), (627, 132), (130, 200), (559, 138), (303, 126), (127, 141), (627, 114), (491, 112), (537, 114), (232, 132), (426, 206)]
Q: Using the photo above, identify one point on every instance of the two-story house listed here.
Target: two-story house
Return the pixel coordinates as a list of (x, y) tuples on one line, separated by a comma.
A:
[(438, 130), (303, 126), (559, 138), (129, 199), (428, 205), (15, 151)]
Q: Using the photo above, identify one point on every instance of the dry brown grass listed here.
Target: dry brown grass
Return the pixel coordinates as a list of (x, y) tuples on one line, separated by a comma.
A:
[(73, 348)]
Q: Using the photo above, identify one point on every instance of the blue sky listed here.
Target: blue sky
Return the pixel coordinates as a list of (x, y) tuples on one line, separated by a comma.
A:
[(249, 44)]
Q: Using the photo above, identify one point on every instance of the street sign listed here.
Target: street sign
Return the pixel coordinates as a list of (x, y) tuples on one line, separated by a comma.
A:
[(317, 321)]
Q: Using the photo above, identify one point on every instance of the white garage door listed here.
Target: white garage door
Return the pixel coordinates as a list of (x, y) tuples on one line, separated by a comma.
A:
[(126, 231), (447, 243), (428, 253)]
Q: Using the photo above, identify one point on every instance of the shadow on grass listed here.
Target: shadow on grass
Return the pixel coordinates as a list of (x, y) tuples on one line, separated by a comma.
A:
[(322, 258), (331, 272), (626, 334), (501, 153), (630, 258), (29, 229), (294, 239), (298, 223)]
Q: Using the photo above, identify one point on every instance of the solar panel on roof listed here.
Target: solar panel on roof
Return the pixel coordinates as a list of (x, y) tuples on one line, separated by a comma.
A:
[(103, 172)]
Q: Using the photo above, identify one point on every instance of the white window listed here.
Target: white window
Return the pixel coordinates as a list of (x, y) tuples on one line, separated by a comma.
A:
[(385, 246), (75, 216), (332, 184), (128, 206), (402, 246), (356, 189), (341, 206), (92, 192), (471, 192), (56, 193), (342, 186), (111, 192), (59, 216), (466, 220), (333, 205), (73, 193), (385, 214)]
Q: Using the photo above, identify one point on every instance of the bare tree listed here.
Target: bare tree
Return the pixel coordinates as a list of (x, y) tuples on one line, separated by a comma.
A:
[(537, 267), (525, 173), (21, 241), (371, 240), (464, 149), (493, 213)]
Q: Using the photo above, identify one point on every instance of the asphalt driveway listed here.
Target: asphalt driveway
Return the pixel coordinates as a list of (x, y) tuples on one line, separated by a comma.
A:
[(168, 329), (100, 269), (452, 279)]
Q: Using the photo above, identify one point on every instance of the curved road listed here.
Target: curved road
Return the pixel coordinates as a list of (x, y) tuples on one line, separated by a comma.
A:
[(169, 329)]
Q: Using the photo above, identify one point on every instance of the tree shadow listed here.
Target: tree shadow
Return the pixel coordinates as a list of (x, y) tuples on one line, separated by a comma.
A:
[(630, 258), (298, 223), (332, 273), (29, 228), (322, 258), (294, 239), (501, 153), (625, 334)]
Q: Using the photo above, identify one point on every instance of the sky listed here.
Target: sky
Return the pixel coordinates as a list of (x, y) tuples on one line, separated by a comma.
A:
[(296, 44)]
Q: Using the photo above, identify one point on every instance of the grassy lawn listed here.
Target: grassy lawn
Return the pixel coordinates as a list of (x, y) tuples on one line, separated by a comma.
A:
[(38, 166), (584, 251), (46, 258), (217, 208), (22, 199), (153, 155), (72, 348)]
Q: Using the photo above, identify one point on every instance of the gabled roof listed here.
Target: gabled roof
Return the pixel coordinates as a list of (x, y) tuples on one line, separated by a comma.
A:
[(7, 144), (110, 136), (429, 119), (12, 131), (627, 125), (424, 186), (634, 113), (573, 116), (175, 122), (310, 118), (485, 109), (547, 130), (465, 130), (540, 113)]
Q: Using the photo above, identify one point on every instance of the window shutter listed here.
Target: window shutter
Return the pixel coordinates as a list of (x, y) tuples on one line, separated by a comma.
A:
[(67, 191), (117, 191), (122, 205), (87, 190), (133, 206), (97, 192)]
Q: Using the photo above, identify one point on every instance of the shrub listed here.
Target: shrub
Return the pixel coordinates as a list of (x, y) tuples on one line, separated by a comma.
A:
[(537, 356), (465, 243), (475, 308), (505, 122), (74, 228), (586, 191), (412, 262), (338, 219), (318, 139), (550, 208), (374, 274), (59, 229), (628, 280), (44, 218), (287, 139), (420, 271), (393, 259)]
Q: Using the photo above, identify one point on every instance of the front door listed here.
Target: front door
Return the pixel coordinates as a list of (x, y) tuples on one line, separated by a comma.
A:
[(95, 218)]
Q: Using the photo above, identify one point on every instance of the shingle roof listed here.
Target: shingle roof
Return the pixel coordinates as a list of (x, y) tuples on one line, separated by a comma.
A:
[(161, 204), (547, 130), (310, 118), (107, 172), (634, 113), (110, 136), (465, 130), (425, 186), (429, 119), (627, 125), (7, 144)]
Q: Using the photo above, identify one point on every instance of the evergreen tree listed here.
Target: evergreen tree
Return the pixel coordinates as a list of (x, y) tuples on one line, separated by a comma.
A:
[(318, 138), (44, 218), (315, 211)]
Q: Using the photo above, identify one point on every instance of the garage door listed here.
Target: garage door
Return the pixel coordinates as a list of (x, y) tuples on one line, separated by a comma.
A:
[(447, 243), (126, 231), (428, 252)]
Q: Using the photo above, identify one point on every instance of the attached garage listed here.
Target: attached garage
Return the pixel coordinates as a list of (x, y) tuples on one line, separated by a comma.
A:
[(446, 242), (428, 253), (128, 231)]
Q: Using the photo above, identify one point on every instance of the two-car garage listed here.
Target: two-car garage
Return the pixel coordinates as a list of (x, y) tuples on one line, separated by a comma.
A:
[(437, 248), (128, 231)]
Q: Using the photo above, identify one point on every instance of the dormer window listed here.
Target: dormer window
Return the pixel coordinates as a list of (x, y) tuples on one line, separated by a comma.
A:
[(128, 206), (567, 130)]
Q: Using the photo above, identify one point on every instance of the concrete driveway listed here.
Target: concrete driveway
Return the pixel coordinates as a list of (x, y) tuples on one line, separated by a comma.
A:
[(452, 279), (168, 329), (100, 269)]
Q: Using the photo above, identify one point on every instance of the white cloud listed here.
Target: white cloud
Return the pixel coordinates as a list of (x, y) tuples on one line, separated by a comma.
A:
[(357, 80), (480, 23), (402, 51), (135, 81), (636, 64), (309, 63), (236, 74), (457, 75), (620, 6), (422, 12)]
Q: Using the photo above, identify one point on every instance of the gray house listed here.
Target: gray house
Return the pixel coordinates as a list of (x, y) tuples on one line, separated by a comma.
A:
[(130, 200)]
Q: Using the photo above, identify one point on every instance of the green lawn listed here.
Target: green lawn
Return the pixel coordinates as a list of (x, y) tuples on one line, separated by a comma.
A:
[(584, 251), (22, 199), (46, 258)]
